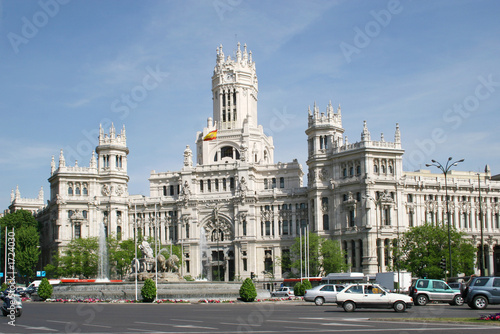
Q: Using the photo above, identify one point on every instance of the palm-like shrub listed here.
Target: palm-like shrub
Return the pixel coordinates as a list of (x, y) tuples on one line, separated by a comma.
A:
[(299, 289), (306, 285), (247, 291), (45, 289), (148, 290)]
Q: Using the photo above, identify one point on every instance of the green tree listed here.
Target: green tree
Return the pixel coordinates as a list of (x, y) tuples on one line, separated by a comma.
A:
[(148, 291), (333, 257), (27, 250), (80, 258), (248, 293), (44, 289), (314, 261), (121, 255), (27, 237), (325, 256), (423, 247)]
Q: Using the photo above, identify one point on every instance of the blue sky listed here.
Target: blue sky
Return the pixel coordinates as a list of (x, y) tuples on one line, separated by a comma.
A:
[(431, 66)]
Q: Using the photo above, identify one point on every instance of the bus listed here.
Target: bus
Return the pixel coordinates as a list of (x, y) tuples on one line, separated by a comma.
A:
[(290, 282), (339, 278)]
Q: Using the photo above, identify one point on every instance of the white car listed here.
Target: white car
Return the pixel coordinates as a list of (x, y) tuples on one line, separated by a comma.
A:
[(326, 293), (369, 295), (283, 292)]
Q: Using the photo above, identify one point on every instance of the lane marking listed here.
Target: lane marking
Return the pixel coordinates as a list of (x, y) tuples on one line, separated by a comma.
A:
[(97, 325), (38, 328)]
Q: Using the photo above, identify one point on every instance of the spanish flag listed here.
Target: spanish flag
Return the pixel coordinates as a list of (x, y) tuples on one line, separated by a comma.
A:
[(210, 136)]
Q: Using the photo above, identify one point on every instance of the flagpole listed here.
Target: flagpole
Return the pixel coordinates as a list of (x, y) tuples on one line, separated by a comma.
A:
[(156, 253), (5, 273), (300, 243), (136, 262)]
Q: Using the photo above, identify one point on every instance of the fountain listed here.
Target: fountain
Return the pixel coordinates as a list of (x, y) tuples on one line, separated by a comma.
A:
[(102, 275), (203, 255)]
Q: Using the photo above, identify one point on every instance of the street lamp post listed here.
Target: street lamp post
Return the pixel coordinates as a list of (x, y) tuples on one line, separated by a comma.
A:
[(481, 222), (445, 169), (378, 248)]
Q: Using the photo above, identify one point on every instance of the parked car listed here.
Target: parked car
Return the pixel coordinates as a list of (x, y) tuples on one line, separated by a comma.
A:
[(455, 285), (481, 291), (367, 295), (326, 293), (425, 290), (283, 292)]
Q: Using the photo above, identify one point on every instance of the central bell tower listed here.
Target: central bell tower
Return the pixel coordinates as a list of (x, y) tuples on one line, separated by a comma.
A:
[(234, 89), (232, 133)]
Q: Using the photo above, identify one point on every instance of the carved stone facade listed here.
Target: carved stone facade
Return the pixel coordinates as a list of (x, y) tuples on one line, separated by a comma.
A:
[(235, 211)]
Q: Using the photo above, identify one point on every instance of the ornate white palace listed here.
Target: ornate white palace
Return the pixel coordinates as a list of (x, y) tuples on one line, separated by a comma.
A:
[(236, 212)]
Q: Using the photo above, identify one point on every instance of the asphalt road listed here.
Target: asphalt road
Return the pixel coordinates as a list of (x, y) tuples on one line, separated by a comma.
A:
[(269, 317)]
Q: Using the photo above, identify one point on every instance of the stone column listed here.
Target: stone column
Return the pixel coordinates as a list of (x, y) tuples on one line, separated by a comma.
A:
[(357, 255), (381, 248)]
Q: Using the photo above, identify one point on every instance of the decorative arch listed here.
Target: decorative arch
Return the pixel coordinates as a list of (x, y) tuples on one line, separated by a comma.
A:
[(224, 228), (227, 151)]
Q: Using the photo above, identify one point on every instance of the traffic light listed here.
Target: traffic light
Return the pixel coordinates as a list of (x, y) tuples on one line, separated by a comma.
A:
[(442, 264), (252, 275)]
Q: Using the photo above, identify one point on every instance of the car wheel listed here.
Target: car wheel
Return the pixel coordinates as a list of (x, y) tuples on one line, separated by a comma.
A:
[(19, 312), (349, 306), (399, 307), (458, 300), (319, 301), (480, 302), (4, 312), (422, 300)]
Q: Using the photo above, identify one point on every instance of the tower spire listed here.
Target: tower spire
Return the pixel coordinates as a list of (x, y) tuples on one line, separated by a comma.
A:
[(62, 161), (52, 166), (397, 135), (365, 135)]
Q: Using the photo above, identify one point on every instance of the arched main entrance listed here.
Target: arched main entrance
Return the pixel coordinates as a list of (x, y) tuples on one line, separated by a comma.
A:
[(217, 249)]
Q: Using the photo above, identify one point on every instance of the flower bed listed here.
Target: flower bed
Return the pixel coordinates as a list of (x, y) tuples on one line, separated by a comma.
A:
[(490, 317), (97, 300), (214, 301)]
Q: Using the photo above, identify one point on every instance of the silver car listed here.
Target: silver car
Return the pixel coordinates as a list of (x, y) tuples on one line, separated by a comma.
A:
[(326, 293), (283, 292)]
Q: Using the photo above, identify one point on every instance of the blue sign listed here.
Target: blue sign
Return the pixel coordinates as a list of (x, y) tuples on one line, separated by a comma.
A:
[(1, 274), (43, 273), (38, 273)]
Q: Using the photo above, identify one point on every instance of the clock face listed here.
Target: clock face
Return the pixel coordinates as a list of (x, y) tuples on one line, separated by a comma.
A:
[(229, 77)]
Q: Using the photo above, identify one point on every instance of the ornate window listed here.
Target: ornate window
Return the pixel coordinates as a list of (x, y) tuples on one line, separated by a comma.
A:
[(352, 217), (78, 231), (326, 223), (268, 228)]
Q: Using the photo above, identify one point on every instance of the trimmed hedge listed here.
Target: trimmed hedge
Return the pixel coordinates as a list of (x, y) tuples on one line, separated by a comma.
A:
[(45, 289), (148, 290), (248, 293)]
